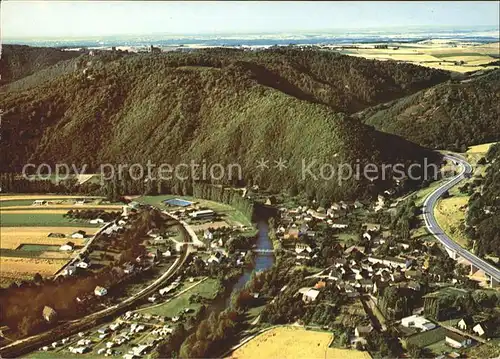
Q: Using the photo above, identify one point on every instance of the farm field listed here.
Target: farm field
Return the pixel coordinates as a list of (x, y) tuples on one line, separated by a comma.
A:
[(32, 197), (13, 237), (58, 207), (51, 218), (25, 248), (457, 57), (294, 342), (14, 267)]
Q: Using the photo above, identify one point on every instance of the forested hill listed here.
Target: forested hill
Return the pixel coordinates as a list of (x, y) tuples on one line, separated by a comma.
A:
[(452, 115), (347, 84), (483, 215), (173, 108), (18, 61)]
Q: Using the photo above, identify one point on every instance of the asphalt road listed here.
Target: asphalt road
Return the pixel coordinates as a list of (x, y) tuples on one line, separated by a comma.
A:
[(433, 226)]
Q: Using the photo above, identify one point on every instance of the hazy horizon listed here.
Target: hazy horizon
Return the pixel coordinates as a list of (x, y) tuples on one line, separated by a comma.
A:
[(57, 20)]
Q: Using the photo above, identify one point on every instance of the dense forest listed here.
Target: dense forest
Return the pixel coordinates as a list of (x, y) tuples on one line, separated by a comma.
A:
[(483, 215), (452, 115), (18, 61), (219, 106)]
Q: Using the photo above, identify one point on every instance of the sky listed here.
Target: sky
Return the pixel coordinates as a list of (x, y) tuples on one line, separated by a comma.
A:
[(68, 19)]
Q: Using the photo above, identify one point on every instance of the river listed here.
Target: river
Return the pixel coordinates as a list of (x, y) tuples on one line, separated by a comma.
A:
[(262, 260)]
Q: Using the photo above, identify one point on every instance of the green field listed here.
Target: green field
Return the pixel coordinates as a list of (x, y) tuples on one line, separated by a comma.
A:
[(38, 247), (39, 220), (427, 338), (207, 289), (438, 347)]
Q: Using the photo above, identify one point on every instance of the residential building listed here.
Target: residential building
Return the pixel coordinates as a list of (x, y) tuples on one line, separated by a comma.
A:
[(100, 291), (67, 247), (466, 323), (457, 341), (415, 321), (310, 295)]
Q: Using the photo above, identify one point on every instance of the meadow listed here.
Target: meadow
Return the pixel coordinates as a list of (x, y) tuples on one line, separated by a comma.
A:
[(294, 342), (206, 288)]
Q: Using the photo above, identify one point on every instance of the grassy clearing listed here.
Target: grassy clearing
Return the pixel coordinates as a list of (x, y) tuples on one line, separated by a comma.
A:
[(450, 215), (207, 289), (427, 338), (36, 218), (294, 342), (438, 347), (422, 194)]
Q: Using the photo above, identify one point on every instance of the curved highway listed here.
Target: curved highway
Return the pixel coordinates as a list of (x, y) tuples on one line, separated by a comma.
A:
[(436, 231)]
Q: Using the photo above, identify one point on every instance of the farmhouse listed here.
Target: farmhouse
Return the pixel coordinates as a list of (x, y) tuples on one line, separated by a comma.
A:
[(49, 314), (78, 234), (203, 214), (67, 247), (97, 221), (100, 291), (457, 341)]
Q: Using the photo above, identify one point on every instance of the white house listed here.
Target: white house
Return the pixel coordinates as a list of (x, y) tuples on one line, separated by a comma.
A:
[(367, 236), (97, 221), (481, 328), (457, 341), (465, 323), (340, 225), (39, 202), (100, 291), (78, 234), (66, 247), (415, 321), (310, 295)]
